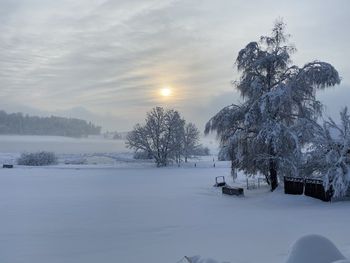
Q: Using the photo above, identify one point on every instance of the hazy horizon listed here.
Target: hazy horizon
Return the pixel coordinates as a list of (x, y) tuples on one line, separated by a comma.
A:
[(106, 61)]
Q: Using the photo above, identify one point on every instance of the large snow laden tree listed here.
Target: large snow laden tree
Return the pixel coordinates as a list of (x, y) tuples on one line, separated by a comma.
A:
[(265, 133), (164, 136), (328, 155)]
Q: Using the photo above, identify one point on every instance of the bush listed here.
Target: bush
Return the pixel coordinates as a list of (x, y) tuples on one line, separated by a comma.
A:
[(37, 159)]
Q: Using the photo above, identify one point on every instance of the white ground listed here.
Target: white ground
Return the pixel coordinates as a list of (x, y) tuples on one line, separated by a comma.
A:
[(58, 144), (150, 215), (94, 150)]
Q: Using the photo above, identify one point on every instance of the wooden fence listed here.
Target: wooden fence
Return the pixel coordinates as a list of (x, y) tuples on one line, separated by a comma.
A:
[(293, 185), (315, 188), (310, 187)]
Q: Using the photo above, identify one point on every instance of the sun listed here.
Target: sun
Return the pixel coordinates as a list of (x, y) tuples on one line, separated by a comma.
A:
[(165, 92)]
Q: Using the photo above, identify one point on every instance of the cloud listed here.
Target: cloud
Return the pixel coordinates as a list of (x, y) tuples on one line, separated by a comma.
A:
[(111, 57)]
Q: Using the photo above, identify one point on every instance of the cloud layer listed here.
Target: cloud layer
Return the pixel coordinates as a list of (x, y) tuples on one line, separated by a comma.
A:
[(112, 57)]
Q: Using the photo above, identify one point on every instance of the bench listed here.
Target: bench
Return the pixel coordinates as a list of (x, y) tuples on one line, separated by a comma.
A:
[(7, 166), (229, 190), (219, 181)]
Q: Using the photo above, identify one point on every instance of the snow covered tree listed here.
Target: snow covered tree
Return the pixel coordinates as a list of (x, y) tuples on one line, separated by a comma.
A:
[(165, 137), (265, 133), (190, 140), (176, 135), (17, 123), (160, 136), (328, 156)]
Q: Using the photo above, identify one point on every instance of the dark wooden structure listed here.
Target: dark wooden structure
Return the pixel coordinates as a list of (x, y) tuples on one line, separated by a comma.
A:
[(310, 187), (293, 185), (229, 190), (7, 166), (314, 188)]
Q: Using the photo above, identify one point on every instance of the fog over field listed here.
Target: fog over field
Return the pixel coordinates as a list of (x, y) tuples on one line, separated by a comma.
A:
[(58, 144)]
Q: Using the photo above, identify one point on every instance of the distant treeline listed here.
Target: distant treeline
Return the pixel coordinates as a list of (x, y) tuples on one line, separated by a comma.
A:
[(17, 123)]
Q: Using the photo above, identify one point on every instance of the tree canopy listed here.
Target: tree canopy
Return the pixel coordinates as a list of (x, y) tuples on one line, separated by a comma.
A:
[(164, 137), (265, 133), (17, 123), (328, 155)]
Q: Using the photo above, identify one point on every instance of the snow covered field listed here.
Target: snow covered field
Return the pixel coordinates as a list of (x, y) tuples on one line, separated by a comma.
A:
[(89, 151), (148, 215), (59, 144)]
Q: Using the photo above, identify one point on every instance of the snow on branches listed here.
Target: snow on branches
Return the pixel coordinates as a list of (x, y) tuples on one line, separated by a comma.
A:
[(329, 155), (265, 134), (165, 137)]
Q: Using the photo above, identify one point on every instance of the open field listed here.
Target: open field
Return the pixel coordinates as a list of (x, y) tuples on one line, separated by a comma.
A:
[(59, 144), (143, 215)]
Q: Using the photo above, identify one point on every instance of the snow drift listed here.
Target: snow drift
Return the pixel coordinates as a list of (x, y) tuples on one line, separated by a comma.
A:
[(198, 259), (315, 248), (307, 249)]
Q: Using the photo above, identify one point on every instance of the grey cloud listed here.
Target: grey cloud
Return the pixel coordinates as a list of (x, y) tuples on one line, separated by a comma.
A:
[(111, 57)]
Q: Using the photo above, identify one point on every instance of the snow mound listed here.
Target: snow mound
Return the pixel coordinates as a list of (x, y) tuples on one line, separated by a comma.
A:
[(314, 248), (198, 259)]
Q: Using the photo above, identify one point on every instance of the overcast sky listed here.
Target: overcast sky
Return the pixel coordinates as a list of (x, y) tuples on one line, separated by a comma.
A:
[(106, 60)]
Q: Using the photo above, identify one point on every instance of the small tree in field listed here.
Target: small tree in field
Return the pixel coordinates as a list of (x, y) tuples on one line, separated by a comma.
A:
[(266, 132), (158, 136), (164, 137), (190, 140)]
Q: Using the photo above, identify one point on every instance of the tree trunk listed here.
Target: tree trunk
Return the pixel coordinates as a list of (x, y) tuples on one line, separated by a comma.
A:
[(233, 172), (267, 178), (273, 175), (272, 169)]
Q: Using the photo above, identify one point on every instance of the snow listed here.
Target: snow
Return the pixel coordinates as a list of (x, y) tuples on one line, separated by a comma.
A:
[(198, 259), (84, 213), (94, 150), (314, 248), (98, 204), (58, 144)]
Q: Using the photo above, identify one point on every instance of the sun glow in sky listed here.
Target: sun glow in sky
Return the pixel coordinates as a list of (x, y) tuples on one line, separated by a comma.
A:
[(166, 92), (143, 53)]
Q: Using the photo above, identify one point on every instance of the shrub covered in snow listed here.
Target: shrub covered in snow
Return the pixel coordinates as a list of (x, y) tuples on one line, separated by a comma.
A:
[(37, 159)]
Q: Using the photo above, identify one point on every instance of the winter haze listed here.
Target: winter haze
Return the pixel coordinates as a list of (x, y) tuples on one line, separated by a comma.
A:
[(106, 61)]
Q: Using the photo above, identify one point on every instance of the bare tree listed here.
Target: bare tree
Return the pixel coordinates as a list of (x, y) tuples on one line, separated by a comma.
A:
[(159, 136)]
